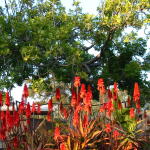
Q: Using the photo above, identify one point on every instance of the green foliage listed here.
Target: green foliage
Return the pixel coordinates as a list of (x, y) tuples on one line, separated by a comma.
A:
[(39, 39)]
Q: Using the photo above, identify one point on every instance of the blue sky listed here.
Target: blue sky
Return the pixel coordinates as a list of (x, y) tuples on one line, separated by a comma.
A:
[(89, 6)]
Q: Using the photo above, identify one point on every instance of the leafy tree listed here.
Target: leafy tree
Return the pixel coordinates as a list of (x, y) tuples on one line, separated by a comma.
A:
[(40, 42)]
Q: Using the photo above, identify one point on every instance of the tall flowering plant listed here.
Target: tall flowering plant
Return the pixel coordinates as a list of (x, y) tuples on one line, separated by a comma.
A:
[(115, 126)]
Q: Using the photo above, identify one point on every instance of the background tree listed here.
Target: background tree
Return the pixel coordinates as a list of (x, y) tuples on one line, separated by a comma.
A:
[(40, 41)]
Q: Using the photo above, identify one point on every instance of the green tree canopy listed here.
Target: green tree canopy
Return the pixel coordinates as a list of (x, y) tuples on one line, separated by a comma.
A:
[(41, 41)]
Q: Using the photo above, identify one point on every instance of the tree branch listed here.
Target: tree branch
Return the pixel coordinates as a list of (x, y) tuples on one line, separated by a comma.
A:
[(88, 48), (104, 47)]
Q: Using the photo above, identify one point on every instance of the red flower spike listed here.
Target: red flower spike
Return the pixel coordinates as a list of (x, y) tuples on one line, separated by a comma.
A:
[(100, 83), (58, 94), (65, 113), (48, 117), (2, 115), (132, 115), (115, 87), (110, 106), (75, 118), (101, 109), (136, 93), (82, 91), (7, 102), (57, 133), (73, 99), (77, 81), (25, 91), (21, 107), (1, 99), (108, 128), (88, 99), (28, 111), (39, 109), (101, 86), (63, 146), (28, 121), (50, 105), (116, 134), (4, 124), (2, 134), (85, 121), (87, 109), (79, 108), (33, 108), (16, 118)]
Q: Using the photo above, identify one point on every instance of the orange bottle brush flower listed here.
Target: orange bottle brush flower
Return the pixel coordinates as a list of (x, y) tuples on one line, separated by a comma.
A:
[(57, 133), (101, 86), (82, 91), (136, 93), (132, 115), (77, 81)]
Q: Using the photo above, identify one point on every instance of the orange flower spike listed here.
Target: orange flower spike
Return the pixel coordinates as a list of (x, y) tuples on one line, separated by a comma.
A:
[(58, 95), (132, 115), (101, 109), (56, 133), (65, 113), (76, 118), (87, 100), (85, 121), (73, 98), (48, 116), (16, 118), (77, 81), (25, 91), (108, 128), (7, 102), (82, 91), (28, 111), (136, 93), (116, 134), (1, 99), (63, 146), (50, 105), (101, 86)]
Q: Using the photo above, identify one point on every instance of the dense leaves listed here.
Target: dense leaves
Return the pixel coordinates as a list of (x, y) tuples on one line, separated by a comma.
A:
[(41, 41)]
